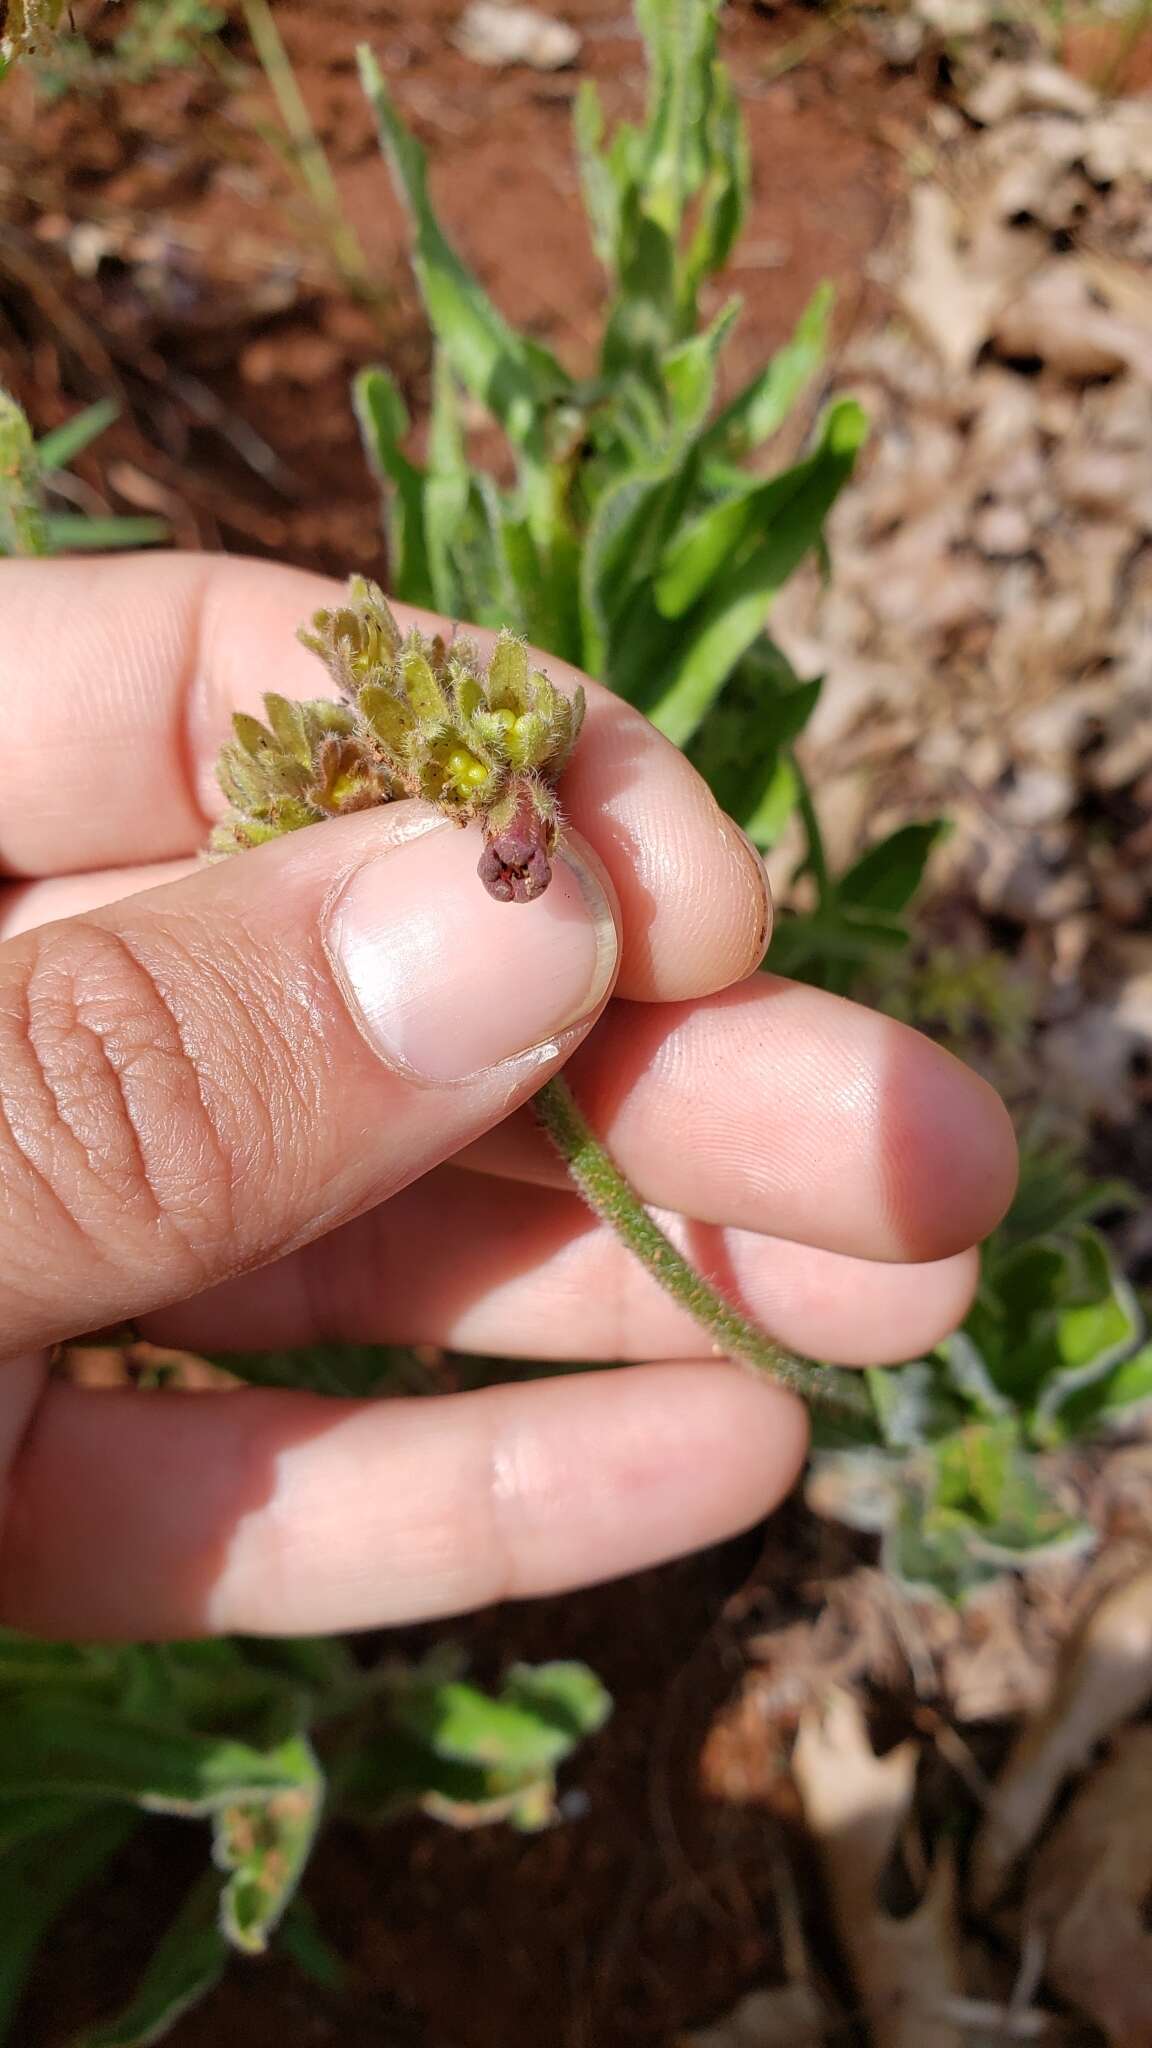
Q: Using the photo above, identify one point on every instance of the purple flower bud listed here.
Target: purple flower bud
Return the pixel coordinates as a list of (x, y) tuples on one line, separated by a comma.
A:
[(514, 866)]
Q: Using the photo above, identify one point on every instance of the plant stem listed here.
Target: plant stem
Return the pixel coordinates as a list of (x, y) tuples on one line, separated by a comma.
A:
[(308, 155), (606, 1191)]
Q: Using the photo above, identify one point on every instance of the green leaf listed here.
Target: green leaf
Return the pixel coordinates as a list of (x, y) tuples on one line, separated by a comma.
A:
[(186, 1964), (1110, 1402), (979, 1507), (760, 410), (356, 1370), (466, 1756), (724, 195), (887, 877), (914, 1405), (301, 1938), (778, 523), (265, 1844), (565, 1695), (68, 531), (24, 1661), (789, 509), (383, 421), (39, 1877), (1093, 1335), (617, 542), (681, 40), (741, 747), (689, 370), (599, 188), (1054, 1195), (94, 1753), (516, 379), (57, 449), (828, 949), (529, 1728), (642, 318)]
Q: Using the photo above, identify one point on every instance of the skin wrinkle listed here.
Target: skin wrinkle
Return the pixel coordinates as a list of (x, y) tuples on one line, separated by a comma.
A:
[(22, 1139), (133, 1171), (263, 1063), (139, 1013)]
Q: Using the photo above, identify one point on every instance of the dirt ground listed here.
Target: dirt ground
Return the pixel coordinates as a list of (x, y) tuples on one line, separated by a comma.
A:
[(153, 245)]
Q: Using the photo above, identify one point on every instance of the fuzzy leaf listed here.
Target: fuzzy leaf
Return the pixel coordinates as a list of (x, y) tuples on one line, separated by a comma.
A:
[(97, 1754), (760, 410), (793, 505), (187, 1963), (761, 538), (516, 379), (741, 748), (383, 421), (887, 877), (265, 1844), (39, 1877)]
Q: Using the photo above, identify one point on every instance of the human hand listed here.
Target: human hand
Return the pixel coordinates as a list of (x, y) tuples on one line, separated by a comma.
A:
[(279, 1100)]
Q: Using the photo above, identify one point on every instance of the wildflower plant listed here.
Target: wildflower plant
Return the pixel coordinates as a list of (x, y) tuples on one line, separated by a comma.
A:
[(484, 741)]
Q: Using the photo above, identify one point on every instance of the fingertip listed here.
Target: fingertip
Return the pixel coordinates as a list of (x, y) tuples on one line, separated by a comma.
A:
[(695, 902), (952, 1162)]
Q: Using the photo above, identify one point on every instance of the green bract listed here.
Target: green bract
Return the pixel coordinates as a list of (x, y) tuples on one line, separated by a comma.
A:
[(484, 741)]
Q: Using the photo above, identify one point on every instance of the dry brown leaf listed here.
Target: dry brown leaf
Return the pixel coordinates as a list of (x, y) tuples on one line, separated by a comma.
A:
[(1086, 1894), (492, 32), (952, 302), (1105, 1677), (151, 1366), (787, 2017), (856, 1804), (1032, 88), (1057, 318)]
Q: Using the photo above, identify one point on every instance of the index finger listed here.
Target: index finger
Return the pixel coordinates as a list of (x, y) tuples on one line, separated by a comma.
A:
[(117, 682)]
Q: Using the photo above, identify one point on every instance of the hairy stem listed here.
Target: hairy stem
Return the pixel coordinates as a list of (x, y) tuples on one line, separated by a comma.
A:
[(606, 1191)]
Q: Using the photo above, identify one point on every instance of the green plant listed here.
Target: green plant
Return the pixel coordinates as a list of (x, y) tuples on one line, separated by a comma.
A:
[(638, 537), (157, 35), (961, 1473), (259, 1742), (28, 525)]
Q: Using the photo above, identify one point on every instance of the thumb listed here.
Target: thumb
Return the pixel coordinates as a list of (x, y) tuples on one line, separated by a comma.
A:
[(201, 1077)]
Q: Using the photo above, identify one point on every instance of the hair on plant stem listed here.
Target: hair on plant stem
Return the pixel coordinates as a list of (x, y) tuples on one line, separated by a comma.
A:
[(485, 741)]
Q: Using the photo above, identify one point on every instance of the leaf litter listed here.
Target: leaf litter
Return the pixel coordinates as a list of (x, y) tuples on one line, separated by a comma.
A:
[(987, 644), (987, 637)]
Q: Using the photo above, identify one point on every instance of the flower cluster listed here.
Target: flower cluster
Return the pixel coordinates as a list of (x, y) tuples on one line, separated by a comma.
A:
[(417, 717)]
